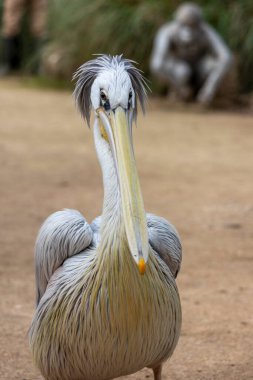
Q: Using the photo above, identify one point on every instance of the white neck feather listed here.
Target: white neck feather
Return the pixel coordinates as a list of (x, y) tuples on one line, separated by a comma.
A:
[(111, 215)]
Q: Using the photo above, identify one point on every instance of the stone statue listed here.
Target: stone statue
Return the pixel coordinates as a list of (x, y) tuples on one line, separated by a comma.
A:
[(190, 56)]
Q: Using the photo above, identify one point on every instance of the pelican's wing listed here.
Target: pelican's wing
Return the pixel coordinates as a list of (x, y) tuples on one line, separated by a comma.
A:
[(164, 239), (63, 234)]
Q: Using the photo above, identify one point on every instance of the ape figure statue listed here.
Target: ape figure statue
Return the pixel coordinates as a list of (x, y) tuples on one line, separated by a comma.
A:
[(190, 56)]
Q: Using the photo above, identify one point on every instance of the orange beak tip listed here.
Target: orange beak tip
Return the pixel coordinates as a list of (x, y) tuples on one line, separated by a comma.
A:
[(142, 266)]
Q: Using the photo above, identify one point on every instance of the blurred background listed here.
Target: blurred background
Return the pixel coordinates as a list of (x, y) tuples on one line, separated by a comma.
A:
[(195, 166), (77, 29)]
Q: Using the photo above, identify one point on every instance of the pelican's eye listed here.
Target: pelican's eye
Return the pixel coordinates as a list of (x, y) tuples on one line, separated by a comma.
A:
[(130, 99), (104, 100), (103, 96)]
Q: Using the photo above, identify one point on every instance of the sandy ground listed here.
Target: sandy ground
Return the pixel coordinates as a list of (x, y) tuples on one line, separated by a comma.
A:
[(196, 169)]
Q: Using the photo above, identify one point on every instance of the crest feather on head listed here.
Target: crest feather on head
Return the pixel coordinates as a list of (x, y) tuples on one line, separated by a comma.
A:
[(87, 73)]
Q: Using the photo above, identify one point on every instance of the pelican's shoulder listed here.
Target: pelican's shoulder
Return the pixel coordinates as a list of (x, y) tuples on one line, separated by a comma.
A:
[(64, 234), (166, 242)]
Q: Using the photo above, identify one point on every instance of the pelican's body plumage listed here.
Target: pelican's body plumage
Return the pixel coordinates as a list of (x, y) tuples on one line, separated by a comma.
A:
[(99, 316)]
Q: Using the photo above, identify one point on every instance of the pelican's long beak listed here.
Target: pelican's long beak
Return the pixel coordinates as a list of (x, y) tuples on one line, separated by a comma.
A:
[(118, 130)]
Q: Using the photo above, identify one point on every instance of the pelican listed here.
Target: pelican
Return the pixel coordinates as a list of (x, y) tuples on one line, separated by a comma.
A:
[(107, 300)]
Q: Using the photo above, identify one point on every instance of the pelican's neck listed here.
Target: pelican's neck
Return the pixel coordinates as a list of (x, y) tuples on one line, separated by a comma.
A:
[(112, 213)]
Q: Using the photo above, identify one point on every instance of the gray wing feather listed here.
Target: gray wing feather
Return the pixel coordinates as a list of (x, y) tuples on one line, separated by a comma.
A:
[(165, 240), (62, 235)]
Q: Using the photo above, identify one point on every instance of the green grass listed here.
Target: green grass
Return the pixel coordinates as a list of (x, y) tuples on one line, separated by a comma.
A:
[(44, 82)]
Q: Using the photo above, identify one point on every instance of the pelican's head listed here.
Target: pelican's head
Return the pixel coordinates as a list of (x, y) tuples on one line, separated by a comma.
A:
[(112, 86)]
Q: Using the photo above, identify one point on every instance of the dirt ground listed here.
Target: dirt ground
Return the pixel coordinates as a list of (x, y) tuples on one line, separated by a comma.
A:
[(196, 169)]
